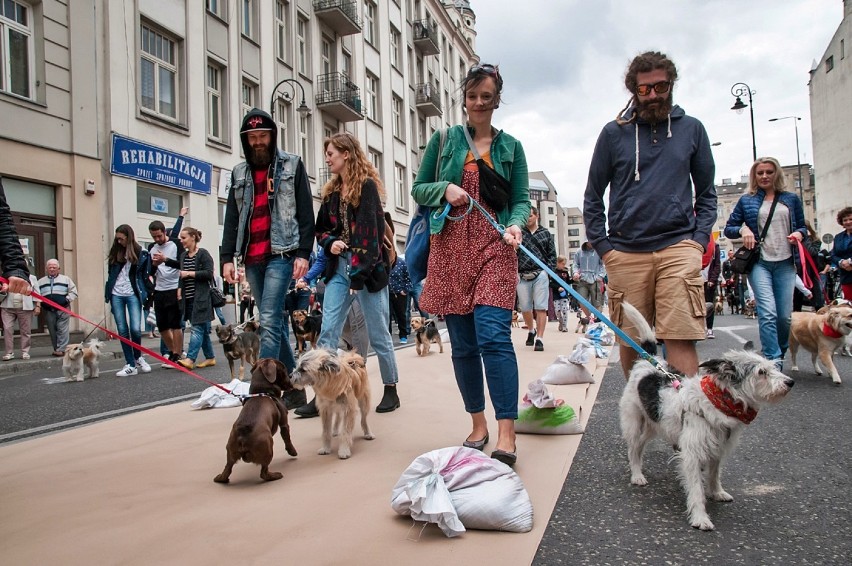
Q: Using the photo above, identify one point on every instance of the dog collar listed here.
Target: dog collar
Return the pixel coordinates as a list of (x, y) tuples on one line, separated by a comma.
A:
[(723, 401), (244, 398), (830, 332)]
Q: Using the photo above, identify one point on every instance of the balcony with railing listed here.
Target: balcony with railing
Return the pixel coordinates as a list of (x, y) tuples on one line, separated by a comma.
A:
[(339, 15), (427, 98), (337, 96), (324, 175), (426, 37)]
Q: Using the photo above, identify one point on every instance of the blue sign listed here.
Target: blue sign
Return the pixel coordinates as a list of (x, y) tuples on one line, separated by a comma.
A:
[(146, 162)]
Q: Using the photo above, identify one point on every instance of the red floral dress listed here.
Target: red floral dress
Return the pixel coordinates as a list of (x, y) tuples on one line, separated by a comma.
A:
[(469, 264)]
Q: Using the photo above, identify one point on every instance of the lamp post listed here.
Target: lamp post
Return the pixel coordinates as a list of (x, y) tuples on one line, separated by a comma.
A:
[(739, 90), (798, 160), (303, 109)]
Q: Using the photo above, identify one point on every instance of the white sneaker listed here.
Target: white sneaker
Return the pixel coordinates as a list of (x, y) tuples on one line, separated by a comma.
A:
[(127, 371), (143, 365), (710, 333)]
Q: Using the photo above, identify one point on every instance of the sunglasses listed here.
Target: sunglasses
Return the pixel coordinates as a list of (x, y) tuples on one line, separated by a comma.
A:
[(661, 87), (487, 69)]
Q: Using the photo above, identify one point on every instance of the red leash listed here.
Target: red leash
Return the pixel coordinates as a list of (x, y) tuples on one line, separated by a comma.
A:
[(133, 345), (806, 261)]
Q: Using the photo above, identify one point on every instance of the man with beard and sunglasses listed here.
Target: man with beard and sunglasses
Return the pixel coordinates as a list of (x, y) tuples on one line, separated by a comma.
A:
[(658, 166), (269, 228)]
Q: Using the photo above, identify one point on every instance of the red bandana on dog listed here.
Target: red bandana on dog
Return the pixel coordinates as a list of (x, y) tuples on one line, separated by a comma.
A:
[(723, 401), (830, 332)]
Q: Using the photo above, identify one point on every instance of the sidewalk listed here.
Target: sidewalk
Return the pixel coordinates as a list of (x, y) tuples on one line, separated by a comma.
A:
[(138, 489)]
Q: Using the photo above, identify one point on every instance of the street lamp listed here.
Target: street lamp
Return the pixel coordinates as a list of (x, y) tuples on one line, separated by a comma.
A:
[(798, 160), (303, 109), (739, 90)]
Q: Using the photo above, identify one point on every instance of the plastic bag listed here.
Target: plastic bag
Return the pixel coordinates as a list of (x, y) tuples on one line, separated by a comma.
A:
[(599, 332), (215, 398), (461, 488), (565, 372), (540, 413), (584, 351)]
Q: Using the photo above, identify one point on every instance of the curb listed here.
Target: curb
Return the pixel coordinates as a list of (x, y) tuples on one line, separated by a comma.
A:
[(19, 366)]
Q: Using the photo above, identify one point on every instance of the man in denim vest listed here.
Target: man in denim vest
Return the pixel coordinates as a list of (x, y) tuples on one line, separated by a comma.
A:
[(269, 228)]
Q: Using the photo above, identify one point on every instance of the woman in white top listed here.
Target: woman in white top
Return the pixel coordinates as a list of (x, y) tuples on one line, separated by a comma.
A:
[(21, 308), (774, 275), (125, 291)]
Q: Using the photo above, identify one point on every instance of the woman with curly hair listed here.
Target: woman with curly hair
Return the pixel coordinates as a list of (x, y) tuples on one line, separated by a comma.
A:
[(350, 228), (841, 253)]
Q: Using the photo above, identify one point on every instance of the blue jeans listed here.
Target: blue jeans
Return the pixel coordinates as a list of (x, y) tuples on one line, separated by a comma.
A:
[(199, 339), (376, 314), (127, 312), (269, 282), (773, 283), (485, 337)]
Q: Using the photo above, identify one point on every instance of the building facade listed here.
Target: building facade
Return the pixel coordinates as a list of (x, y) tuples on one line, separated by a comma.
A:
[(830, 89), (125, 112)]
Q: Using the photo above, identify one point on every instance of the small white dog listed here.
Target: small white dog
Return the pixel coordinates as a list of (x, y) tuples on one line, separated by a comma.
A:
[(77, 357), (703, 416)]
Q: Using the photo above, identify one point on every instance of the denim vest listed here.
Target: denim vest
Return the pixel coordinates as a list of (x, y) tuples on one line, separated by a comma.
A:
[(284, 230)]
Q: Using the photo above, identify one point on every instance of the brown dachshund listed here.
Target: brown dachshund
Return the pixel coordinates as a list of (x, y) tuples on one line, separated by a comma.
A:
[(253, 433)]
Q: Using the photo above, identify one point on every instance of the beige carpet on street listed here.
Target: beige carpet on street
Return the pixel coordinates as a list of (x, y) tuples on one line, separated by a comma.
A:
[(139, 489)]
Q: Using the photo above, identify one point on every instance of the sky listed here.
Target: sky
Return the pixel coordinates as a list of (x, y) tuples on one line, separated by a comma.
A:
[(563, 65)]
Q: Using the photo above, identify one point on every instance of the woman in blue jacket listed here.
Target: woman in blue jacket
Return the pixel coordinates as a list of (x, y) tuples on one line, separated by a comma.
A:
[(774, 275), (125, 291)]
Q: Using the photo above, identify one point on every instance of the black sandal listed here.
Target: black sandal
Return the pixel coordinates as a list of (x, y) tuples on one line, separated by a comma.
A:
[(508, 458), (476, 444)]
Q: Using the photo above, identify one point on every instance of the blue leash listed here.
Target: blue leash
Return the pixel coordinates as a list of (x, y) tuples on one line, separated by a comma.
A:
[(444, 214)]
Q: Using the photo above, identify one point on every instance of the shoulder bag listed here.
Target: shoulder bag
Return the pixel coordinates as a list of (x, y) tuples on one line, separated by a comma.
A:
[(493, 188), (217, 297), (744, 258), (417, 240)]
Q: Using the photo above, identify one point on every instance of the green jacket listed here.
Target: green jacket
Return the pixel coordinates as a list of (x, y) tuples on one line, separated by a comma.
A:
[(508, 158)]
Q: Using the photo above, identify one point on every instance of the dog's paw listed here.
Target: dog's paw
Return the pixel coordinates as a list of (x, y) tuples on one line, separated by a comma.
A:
[(271, 476), (638, 480), (221, 478), (324, 451), (369, 436), (722, 496), (702, 522), (794, 368)]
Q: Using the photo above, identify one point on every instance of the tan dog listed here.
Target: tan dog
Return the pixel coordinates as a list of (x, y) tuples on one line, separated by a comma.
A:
[(582, 323), (263, 413), (77, 358), (425, 334), (720, 306), (821, 335), (515, 322), (750, 310), (341, 387)]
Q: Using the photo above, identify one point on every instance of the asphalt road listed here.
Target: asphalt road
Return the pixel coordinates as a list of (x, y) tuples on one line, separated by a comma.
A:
[(789, 478)]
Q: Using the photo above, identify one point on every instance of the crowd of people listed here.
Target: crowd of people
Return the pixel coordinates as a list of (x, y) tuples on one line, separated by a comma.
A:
[(650, 244)]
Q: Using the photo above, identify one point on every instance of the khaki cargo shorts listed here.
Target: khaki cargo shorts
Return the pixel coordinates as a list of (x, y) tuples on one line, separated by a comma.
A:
[(666, 286)]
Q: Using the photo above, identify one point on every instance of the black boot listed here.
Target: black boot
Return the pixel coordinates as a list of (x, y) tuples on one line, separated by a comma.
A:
[(309, 410), (295, 398), (390, 400)]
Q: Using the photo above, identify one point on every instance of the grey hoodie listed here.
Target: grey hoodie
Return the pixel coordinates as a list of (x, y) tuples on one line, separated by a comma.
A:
[(651, 206)]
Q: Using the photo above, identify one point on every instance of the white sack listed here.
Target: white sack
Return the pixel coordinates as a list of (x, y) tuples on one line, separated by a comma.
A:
[(565, 372), (459, 488), (215, 398)]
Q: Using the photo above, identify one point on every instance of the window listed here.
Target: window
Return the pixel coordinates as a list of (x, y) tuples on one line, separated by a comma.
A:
[(347, 64), (574, 243), (282, 29), (372, 97), (395, 49), (216, 7), (550, 210), (421, 128), (327, 55), (16, 49), (305, 141), (281, 120), (829, 64), (843, 49), (249, 96), (400, 190), (214, 102), (370, 23), (159, 73), (159, 203), (396, 108), (552, 224), (302, 40), (247, 14), (375, 159), (574, 232)]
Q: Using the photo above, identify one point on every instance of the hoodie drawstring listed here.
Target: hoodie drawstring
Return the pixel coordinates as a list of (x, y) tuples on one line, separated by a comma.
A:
[(636, 138)]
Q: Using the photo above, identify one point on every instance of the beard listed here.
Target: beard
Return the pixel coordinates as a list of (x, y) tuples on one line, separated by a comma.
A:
[(653, 111), (260, 156)]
